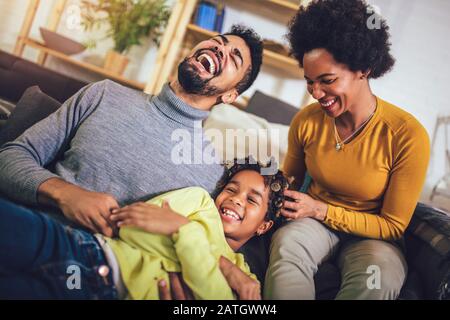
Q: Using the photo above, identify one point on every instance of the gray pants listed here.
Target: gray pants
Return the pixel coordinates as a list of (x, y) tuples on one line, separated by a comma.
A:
[(370, 269)]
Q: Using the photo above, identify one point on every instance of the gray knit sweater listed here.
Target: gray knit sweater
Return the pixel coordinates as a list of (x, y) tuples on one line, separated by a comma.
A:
[(109, 138)]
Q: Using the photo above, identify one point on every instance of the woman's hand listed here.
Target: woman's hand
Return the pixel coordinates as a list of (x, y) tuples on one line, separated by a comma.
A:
[(303, 206), (149, 217), (245, 287)]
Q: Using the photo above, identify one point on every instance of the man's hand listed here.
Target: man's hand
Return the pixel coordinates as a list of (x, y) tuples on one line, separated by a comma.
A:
[(178, 288), (89, 209), (245, 287)]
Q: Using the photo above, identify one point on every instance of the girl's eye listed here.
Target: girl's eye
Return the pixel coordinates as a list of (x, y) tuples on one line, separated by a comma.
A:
[(251, 200)]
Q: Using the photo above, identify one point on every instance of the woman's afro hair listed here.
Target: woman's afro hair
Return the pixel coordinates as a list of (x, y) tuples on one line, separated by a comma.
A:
[(350, 30)]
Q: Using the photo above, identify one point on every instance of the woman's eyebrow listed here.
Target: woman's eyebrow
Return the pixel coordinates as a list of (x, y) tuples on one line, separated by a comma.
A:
[(322, 75)]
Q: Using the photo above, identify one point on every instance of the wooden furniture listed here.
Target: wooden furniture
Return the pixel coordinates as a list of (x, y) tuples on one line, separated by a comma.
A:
[(24, 40), (181, 35)]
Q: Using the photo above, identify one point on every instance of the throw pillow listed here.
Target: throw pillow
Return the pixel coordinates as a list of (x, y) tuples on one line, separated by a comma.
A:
[(33, 106)]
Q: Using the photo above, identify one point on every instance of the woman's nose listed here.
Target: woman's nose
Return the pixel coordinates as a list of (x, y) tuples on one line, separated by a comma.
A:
[(316, 92)]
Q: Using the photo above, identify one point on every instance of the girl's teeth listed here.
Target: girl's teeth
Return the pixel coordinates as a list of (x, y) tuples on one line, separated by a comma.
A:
[(230, 214)]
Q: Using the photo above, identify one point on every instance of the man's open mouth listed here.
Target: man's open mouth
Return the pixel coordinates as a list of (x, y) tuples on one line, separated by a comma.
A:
[(210, 62)]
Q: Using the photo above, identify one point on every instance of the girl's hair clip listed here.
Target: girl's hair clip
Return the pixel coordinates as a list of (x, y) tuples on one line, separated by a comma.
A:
[(275, 187)]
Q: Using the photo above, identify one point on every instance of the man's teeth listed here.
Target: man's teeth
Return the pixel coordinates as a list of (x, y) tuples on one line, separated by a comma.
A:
[(328, 103), (212, 66), (231, 214)]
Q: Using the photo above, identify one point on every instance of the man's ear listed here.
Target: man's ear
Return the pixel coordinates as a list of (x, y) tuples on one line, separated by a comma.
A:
[(264, 227), (230, 96)]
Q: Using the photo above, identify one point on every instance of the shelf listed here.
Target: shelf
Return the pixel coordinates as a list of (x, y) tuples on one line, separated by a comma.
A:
[(284, 4), (288, 65), (41, 46)]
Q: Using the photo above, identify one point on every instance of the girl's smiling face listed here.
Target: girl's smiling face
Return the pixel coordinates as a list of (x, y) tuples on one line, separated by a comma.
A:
[(243, 204)]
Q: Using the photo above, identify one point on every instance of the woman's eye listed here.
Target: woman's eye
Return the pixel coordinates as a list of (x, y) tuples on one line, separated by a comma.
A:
[(329, 81), (229, 189)]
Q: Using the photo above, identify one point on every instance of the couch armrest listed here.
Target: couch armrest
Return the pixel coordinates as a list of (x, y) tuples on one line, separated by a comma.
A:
[(427, 242)]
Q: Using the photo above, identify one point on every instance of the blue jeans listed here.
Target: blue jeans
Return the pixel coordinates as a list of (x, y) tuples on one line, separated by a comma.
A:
[(41, 258)]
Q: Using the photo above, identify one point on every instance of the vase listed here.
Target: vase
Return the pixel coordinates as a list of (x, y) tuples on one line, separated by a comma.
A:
[(115, 62)]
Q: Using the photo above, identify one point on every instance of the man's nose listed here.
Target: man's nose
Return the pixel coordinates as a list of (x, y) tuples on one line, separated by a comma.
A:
[(219, 52)]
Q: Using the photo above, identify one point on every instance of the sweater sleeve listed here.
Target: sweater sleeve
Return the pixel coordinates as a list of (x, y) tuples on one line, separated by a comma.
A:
[(407, 176), (200, 268), (23, 161)]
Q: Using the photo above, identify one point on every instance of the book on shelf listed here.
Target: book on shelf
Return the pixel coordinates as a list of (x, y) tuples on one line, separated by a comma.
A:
[(210, 15)]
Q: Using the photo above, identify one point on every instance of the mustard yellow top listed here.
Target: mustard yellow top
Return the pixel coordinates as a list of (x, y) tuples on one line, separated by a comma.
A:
[(146, 258), (371, 186)]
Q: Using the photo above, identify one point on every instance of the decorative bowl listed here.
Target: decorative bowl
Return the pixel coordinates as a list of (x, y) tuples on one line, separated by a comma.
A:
[(61, 43)]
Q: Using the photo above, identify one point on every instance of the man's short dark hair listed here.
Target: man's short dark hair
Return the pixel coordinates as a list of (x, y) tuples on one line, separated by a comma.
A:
[(254, 43)]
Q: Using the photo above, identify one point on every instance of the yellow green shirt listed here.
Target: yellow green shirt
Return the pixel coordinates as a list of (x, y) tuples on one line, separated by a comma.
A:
[(371, 186), (145, 258)]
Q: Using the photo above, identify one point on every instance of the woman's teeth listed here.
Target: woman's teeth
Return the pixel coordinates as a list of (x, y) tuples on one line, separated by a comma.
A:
[(231, 214), (327, 104), (212, 67)]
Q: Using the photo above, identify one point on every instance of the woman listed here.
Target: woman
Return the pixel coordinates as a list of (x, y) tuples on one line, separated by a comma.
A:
[(367, 159), (191, 236)]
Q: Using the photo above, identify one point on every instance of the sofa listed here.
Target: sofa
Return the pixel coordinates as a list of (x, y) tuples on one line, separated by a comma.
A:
[(427, 238)]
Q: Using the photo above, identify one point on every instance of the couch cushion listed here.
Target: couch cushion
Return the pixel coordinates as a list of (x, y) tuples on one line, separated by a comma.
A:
[(271, 108), (31, 108)]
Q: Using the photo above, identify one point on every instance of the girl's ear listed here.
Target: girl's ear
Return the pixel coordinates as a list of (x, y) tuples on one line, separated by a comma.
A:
[(264, 227)]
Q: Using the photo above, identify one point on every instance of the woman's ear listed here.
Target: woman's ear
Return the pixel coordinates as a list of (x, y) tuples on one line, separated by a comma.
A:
[(365, 74), (230, 96), (264, 227)]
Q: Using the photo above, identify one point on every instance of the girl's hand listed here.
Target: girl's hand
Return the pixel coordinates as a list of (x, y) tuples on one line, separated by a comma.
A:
[(303, 206), (149, 217)]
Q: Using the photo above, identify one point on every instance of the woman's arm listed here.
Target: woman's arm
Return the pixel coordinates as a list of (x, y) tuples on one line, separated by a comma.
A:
[(400, 198)]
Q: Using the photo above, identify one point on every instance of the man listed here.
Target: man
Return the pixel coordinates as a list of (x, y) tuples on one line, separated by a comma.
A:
[(108, 146)]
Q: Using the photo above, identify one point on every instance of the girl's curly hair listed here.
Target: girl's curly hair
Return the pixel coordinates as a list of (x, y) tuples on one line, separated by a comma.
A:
[(277, 183), (343, 28)]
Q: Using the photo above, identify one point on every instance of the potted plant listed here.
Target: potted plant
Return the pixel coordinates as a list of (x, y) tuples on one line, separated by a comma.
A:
[(128, 21)]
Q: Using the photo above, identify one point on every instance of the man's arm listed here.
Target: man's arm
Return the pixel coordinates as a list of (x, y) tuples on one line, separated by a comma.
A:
[(22, 162), (90, 209)]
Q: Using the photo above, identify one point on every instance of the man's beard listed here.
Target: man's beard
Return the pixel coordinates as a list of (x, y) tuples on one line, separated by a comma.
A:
[(192, 83)]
